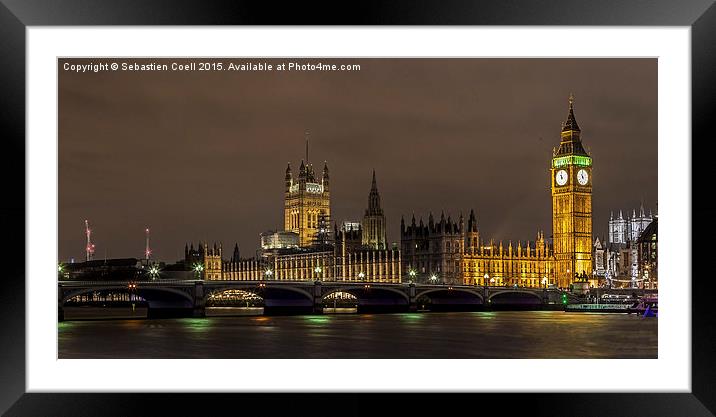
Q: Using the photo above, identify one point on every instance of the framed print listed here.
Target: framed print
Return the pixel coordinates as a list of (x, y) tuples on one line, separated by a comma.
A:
[(388, 206)]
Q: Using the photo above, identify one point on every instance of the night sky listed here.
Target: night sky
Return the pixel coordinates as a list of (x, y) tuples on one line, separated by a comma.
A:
[(202, 155)]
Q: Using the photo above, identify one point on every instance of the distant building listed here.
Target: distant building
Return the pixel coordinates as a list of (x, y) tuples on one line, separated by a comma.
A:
[(350, 226), (121, 269), (279, 240), (627, 230), (621, 264)]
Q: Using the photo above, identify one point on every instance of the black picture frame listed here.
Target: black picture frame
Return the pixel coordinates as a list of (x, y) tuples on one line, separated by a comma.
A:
[(16, 15)]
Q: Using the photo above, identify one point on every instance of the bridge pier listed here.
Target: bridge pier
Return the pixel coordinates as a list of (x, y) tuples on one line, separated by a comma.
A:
[(412, 300), (60, 314), (317, 298), (199, 300)]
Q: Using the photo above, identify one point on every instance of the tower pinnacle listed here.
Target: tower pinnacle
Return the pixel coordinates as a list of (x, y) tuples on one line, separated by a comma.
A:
[(571, 123)]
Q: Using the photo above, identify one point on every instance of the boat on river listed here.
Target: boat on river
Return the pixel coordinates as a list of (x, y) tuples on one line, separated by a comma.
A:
[(645, 306)]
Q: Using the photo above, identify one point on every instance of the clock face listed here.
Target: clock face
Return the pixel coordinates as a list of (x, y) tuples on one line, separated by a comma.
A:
[(583, 177), (561, 177)]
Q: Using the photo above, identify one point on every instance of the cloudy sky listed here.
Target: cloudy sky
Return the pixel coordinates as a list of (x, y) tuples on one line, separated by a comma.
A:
[(201, 155)]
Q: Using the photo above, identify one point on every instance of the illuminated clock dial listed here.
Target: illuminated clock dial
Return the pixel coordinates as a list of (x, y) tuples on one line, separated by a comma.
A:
[(561, 177), (582, 177)]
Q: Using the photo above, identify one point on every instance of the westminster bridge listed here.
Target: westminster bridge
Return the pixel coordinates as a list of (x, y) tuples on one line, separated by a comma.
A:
[(190, 297)]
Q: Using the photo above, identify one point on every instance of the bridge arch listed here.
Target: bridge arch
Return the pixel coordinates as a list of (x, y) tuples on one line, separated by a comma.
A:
[(456, 290), (143, 292), (361, 292), (535, 295), (265, 292)]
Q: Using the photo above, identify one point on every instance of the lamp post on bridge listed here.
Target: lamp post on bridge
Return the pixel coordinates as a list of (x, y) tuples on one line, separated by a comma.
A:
[(198, 269), (412, 274)]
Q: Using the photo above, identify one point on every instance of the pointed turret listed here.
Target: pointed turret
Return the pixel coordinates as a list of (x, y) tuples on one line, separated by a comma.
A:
[(325, 179), (236, 256), (288, 178), (302, 172), (472, 222)]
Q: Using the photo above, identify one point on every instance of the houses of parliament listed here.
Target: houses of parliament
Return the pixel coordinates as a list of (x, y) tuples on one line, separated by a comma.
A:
[(442, 250)]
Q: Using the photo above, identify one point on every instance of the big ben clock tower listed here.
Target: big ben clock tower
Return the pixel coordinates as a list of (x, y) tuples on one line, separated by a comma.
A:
[(571, 204)]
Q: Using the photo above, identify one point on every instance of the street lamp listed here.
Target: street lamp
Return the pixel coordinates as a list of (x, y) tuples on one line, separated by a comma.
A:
[(268, 273), (487, 277), (198, 268), (132, 288), (361, 275), (318, 271), (433, 278), (412, 275), (154, 272), (492, 281), (544, 281)]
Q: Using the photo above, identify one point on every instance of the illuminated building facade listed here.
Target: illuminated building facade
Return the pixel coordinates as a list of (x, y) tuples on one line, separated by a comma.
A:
[(358, 262), (448, 252), (648, 246), (306, 201), (571, 204), (289, 257), (443, 251), (205, 260)]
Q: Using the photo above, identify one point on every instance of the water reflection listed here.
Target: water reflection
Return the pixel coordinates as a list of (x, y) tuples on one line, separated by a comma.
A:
[(488, 334)]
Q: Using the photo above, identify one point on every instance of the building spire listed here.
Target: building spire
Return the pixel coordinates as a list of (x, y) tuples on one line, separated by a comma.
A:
[(571, 123), (374, 207), (307, 134)]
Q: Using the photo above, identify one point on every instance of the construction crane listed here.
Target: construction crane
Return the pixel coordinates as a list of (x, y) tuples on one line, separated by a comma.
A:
[(147, 250), (89, 250)]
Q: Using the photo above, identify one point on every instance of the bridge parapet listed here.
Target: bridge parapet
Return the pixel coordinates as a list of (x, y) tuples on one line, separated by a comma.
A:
[(198, 291)]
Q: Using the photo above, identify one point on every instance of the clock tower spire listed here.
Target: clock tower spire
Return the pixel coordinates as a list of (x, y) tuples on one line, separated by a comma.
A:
[(571, 174)]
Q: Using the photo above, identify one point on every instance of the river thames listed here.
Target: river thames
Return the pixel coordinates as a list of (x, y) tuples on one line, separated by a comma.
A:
[(485, 334)]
